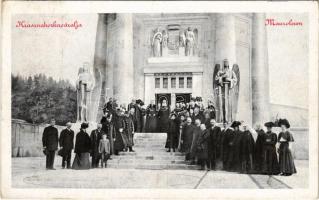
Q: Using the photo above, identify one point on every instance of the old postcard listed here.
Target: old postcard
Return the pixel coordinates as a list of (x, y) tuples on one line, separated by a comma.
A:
[(159, 100)]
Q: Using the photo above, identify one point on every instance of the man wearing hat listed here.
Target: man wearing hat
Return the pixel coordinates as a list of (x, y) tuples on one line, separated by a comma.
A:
[(172, 133), (50, 143), (232, 141), (119, 127), (67, 144), (270, 160), (96, 136), (108, 129), (187, 137)]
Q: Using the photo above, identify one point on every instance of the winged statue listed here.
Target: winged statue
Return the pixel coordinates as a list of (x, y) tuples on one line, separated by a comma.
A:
[(226, 91)]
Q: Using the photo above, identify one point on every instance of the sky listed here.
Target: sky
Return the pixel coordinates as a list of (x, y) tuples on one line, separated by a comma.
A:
[(59, 52)]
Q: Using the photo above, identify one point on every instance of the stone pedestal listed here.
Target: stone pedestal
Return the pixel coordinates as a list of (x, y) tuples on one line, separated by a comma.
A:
[(259, 70), (123, 65), (225, 39)]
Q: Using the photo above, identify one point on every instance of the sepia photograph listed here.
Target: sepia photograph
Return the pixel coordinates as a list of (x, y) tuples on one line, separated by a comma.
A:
[(161, 100)]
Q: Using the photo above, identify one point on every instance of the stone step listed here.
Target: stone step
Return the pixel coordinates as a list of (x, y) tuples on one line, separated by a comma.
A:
[(152, 166), (151, 153), (155, 157), (150, 135), (145, 162)]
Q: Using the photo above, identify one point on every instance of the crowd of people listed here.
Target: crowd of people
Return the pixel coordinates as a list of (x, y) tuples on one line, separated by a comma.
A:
[(191, 129)]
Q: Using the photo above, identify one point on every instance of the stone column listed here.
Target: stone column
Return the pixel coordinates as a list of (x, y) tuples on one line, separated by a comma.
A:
[(149, 88), (123, 61), (99, 70), (197, 84), (259, 70), (225, 39)]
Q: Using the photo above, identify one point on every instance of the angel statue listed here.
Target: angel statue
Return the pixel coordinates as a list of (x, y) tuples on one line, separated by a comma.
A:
[(157, 42), (226, 89), (190, 41), (84, 86)]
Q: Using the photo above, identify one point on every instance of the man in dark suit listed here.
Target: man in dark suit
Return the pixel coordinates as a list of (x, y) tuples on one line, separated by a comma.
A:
[(96, 136), (214, 144), (50, 143), (66, 143)]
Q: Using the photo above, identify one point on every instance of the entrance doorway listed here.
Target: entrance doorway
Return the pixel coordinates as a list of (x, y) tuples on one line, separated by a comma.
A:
[(163, 96)]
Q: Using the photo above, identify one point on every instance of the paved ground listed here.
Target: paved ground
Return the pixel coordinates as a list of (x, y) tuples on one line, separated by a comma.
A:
[(30, 173)]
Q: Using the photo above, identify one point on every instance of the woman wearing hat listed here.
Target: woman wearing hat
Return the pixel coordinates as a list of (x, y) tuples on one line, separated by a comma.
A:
[(82, 149), (270, 160), (172, 133), (286, 161)]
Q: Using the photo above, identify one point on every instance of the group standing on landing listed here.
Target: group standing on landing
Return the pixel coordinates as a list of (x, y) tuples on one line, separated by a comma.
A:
[(191, 129)]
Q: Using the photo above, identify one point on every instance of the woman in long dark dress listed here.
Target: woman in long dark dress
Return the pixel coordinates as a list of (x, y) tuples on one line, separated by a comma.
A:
[(172, 133), (270, 160), (151, 120), (286, 161), (82, 149)]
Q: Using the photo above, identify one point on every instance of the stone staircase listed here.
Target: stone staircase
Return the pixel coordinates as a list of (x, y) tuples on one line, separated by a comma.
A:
[(150, 154)]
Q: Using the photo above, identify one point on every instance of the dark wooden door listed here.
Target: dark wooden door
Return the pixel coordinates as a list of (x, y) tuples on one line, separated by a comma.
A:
[(183, 97), (160, 97)]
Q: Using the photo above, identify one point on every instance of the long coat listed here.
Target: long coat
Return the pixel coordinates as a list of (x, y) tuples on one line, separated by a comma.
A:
[(163, 118), (270, 160), (213, 142), (286, 161), (66, 140), (129, 130), (95, 137), (172, 134), (119, 143), (82, 143), (196, 134), (187, 137), (151, 120), (232, 141), (50, 138), (247, 149), (203, 144), (108, 129), (259, 152)]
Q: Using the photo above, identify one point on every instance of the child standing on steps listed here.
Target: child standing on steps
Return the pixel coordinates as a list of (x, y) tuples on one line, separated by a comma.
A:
[(104, 150)]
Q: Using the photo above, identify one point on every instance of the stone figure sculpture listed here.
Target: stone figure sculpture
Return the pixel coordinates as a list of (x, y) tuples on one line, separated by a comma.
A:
[(226, 89), (189, 42), (84, 85), (181, 39), (157, 42)]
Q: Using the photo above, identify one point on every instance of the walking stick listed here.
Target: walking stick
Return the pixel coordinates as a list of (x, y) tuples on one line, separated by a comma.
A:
[(179, 140)]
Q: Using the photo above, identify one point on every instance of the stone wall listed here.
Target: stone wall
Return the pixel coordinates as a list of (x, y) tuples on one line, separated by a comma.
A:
[(298, 117), (26, 138)]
